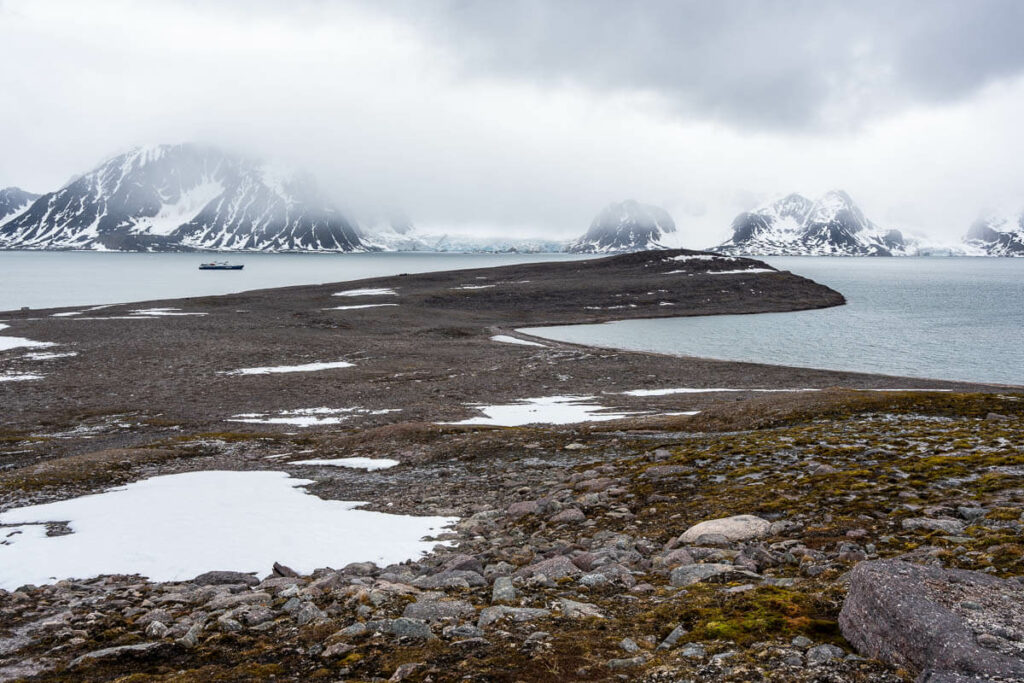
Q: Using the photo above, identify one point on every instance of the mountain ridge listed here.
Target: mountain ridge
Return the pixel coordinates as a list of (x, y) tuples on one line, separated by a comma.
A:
[(183, 197)]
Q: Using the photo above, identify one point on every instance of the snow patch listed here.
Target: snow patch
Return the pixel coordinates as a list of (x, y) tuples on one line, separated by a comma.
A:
[(557, 410), (162, 312), (307, 417), (383, 291), (18, 376), (174, 527), (275, 369), (47, 355), (349, 308), (696, 390), (368, 464), (20, 342), (506, 339)]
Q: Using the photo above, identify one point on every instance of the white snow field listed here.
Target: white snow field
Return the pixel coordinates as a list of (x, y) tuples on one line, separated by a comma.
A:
[(307, 417), (557, 410), (19, 342), (506, 339), (174, 527), (348, 308), (382, 291), (275, 369), (368, 464), (741, 271)]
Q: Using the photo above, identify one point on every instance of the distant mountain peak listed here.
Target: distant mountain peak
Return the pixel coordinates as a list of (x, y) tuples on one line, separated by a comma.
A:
[(796, 225), (626, 226), (999, 234), (13, 201), (184, 196)]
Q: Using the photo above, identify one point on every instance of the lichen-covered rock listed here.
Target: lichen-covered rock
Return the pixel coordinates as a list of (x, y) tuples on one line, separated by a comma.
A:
[(933, 620)]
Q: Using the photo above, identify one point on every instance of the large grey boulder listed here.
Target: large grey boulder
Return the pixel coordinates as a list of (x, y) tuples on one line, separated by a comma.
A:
[(939, 623), (735, 528)]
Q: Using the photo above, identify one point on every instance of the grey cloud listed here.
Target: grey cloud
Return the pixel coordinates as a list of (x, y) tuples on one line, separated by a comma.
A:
[(757, 63)]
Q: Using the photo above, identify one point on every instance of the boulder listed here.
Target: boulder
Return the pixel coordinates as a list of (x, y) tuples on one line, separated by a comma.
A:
[(736, 528), (219, 578), (489, 615), (438, 610), (556, 567), (940, 623)]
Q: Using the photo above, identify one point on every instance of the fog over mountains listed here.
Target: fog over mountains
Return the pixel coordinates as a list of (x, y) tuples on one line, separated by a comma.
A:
[(197, 197), (174, 197)]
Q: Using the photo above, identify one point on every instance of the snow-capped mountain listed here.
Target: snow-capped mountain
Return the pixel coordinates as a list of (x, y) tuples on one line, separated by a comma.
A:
[(14, 200), (626, 226), (795, 226), (998, 235), (174, 197)]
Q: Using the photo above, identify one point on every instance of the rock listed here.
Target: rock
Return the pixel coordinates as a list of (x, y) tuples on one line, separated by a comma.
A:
[(521, 509), (464, 563), (285, 571), (229, 601), (254, 615), (152, 615), (336, 650), (712, 572), (569, 515), (489, 615), (910, 616), (219, 578), (629, 663), (309, 613), (674, 558), (665, 471), (462, 631), (802, 642), (439, 610), (556, 567), (693, 651), (736, 528), (503, 590), (191, 637), (410, 628), (456, 578), (613, 573), (996, 417), (629, 645), (579, 610), (156, 629), (404, 671), (119, 652), (821, 654), (672, 638), (949, 526)]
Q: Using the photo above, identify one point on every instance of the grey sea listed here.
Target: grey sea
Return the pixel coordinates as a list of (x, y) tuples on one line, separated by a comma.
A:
[(942, 318), (48, 279)]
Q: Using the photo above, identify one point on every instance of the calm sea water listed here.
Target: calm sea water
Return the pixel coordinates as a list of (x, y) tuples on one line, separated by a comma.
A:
[(943, 318), (48, 279)]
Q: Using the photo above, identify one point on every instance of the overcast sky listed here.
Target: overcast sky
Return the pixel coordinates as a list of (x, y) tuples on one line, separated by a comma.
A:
[(526, 117)]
